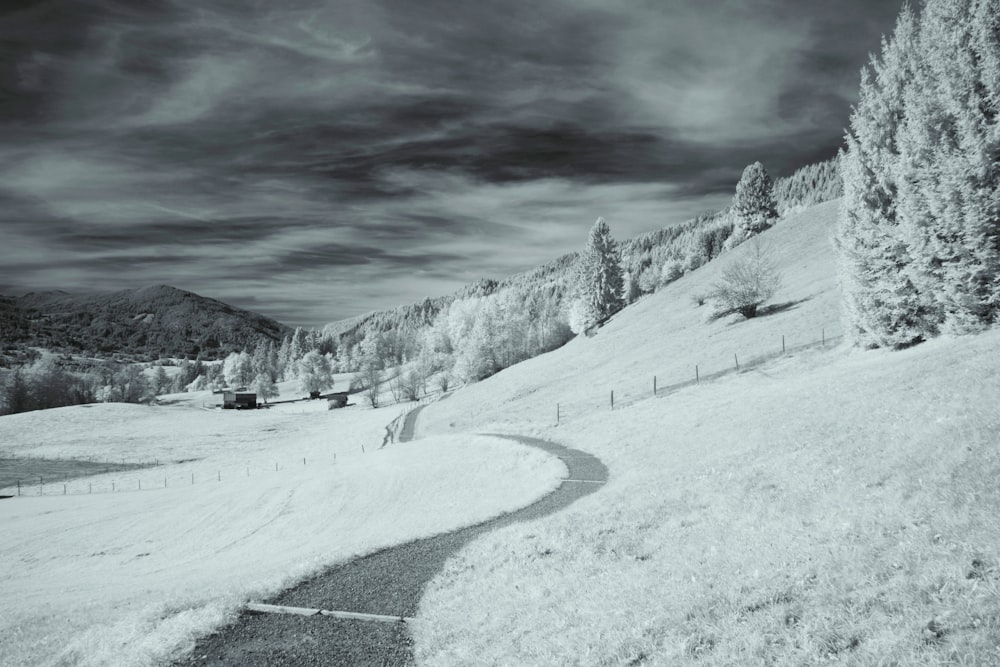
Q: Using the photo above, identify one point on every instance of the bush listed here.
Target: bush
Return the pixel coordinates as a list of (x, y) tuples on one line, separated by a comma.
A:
[(747, 282)]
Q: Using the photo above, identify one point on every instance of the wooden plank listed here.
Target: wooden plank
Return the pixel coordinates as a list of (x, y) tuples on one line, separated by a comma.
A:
[(366, 617), (281, 609), (305, 611)]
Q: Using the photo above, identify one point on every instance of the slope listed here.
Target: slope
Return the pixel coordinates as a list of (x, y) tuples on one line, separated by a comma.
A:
[(155, 321), (829, 505), (665, 334)]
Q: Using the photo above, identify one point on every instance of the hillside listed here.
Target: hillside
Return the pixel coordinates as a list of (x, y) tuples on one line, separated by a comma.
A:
[(686, 244), (831, 504), (152, 321), (666, 334)]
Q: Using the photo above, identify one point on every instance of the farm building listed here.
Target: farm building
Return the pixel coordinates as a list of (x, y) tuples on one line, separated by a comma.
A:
[(239, 400)]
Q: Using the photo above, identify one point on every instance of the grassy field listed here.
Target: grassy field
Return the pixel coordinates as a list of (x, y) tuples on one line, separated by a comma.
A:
[(36, 473), (830, 506), (242, 505)]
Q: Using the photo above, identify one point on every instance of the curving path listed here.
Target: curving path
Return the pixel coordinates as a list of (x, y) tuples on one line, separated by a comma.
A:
[(388, 582)]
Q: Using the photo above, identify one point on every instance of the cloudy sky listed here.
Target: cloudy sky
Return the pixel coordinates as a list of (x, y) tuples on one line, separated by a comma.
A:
[(317, 159)]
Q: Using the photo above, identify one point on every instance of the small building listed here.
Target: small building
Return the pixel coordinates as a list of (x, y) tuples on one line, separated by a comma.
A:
[(337, 400), (239, 400)]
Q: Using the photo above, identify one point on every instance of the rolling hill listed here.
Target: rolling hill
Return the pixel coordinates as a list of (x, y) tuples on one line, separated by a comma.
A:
[(152, 321)]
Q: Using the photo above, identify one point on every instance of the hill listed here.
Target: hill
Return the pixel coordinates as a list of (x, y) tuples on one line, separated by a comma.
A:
[(830, 504), (650, 260), (149, 322)]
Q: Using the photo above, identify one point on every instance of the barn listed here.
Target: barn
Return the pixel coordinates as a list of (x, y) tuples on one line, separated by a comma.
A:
[(239, 400)]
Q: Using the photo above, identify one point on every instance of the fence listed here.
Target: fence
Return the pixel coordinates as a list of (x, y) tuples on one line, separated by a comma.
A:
[(118, 478), (652, 385)]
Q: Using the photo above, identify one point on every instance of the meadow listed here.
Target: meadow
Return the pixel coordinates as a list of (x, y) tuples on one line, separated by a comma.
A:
[(131, 566), (831, 505)]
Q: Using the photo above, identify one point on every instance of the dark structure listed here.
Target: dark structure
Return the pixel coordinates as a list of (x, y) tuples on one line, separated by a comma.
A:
[(239, 400)]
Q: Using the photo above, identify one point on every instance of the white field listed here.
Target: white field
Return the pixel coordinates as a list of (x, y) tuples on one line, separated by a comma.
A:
[(133, 577), (833, 505)]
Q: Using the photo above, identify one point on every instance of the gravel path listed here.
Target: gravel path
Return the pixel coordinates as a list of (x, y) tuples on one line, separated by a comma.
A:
[(388, 582)]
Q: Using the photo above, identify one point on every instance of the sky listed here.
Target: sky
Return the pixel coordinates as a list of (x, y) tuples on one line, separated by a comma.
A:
[(314, 160)]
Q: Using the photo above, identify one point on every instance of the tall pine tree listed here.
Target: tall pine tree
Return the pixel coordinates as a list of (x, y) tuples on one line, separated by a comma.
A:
[(599, 280), (949, 172), (919, 239), (881, 305), (753, 204)]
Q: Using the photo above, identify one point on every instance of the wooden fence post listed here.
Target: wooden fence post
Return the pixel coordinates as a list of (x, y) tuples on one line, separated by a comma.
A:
[(654, 385), (612, 399), (557, 414), (782, 343), (737, 359), (697, 376)]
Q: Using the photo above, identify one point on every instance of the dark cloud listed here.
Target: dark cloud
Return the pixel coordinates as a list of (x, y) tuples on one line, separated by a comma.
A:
[(321, 159)]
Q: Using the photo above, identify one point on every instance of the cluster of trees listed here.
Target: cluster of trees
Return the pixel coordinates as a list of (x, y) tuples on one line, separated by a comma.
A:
[(808, 186), (45, 383), (919, 241)]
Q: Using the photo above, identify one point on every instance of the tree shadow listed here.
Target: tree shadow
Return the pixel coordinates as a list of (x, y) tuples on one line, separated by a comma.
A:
[(776, 308), (765, 311)]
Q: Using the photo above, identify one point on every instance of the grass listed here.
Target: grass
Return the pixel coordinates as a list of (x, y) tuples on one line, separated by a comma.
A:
[(829, 506), (847, 513), (123, 576)]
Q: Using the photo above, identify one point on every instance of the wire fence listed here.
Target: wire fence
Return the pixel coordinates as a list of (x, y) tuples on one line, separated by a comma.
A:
[(152, 476), (626, 393), (26, 476)]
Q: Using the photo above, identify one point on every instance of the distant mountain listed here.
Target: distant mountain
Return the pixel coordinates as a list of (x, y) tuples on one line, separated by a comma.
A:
[(151, 321)]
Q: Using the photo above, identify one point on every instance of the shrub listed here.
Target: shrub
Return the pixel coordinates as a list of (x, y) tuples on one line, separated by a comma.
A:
[(747, 282)]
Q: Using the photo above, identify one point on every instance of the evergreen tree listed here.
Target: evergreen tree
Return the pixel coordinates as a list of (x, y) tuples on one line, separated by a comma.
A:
[(753, 204), (17, 396), (285, 358), (919, 240), (161, 383), (260, 363), (599, 280), (881, 305), (949, 171)]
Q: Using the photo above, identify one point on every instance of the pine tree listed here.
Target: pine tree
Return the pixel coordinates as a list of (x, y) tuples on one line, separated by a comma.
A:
[(161, 383), (17, 396), (753, 204), (284, 358), (882, 306), (949, 172), (599, 280), (919, 240)]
